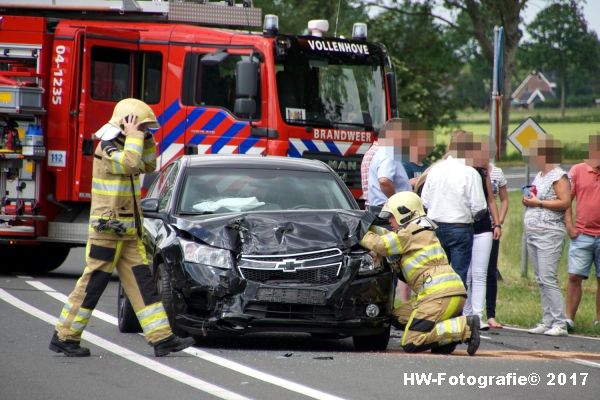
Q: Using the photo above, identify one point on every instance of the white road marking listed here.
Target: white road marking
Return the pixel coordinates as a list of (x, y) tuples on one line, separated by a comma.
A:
[(587, 363), (510, 328), (145, 362), (223, 362)]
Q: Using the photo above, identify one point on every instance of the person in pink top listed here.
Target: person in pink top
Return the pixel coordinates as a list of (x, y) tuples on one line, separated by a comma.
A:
[(585, 233)]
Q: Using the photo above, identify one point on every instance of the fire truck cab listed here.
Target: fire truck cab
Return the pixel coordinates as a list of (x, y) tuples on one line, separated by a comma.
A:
[(215, 90)]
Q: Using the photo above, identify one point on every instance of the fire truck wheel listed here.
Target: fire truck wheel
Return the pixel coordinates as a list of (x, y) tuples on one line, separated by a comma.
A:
[(126, 319), (41, 259)]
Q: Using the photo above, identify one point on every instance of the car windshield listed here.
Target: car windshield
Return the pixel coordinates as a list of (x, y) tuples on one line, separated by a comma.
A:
[(223, 190), (324, 89)]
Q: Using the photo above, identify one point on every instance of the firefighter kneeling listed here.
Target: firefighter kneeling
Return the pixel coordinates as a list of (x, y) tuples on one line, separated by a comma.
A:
[(431, 319)]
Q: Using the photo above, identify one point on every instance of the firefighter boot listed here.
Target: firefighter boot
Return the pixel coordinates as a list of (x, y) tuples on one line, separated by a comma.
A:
[(473, 341), (171, 345), (69, 348)]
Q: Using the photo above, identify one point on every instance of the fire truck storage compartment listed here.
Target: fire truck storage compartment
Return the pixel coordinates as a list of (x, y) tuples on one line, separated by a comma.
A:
[(19, 99)]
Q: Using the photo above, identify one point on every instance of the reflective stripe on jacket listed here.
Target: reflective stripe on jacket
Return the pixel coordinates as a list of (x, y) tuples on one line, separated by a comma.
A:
[(116, 185), (423, 261)]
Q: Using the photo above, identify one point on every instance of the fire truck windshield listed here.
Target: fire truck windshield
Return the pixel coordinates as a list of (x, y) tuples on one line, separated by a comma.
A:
[(328, 87)]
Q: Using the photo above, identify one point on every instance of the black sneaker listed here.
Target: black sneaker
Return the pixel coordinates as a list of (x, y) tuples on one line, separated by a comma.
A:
[(69, 348), (473, 341), (172, 344)]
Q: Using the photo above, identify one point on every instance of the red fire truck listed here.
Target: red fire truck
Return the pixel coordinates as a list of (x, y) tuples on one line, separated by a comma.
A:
[(65, 63)]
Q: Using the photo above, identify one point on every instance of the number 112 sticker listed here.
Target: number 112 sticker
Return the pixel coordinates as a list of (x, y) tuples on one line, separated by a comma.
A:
[(57, 158)]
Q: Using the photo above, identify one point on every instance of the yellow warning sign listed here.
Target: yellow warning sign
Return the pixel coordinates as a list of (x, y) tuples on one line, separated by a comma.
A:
[(525, 133)]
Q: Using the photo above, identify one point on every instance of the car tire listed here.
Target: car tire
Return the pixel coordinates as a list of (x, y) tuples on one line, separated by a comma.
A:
[(126, 318), (162, 280), (377, 342)]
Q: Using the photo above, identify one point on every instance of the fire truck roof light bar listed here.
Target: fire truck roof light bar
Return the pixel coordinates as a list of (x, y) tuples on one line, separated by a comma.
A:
[(193, 12)]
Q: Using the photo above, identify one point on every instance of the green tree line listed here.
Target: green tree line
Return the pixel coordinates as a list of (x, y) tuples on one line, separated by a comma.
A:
[(442, 50)]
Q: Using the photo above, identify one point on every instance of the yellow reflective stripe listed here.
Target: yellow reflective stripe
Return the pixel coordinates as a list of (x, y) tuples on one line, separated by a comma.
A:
[(142, 251), (115, 189), (118, 251), (81, 320), (441, 287), (122, 219), (149, 154), (409, 323), (128, 231), (150, 310), (153, 318), (134, 145), (421, 258), (379, 230), (64, 313), (451, 309), (392, 243)]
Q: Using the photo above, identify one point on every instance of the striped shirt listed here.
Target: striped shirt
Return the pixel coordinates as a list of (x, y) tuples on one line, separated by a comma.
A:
[(364, 170), (498, 179)]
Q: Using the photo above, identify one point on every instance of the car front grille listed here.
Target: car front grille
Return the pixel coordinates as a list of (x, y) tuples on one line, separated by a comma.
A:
[(317, 267), (291, 311)]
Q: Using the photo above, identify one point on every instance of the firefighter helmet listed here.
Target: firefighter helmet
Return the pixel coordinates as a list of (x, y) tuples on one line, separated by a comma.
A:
[(404, 206), (125, 107), (144, 113)]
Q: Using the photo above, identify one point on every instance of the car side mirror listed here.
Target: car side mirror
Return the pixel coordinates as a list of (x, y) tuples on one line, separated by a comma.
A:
[(246, 79), (244, 107), (150, 208)]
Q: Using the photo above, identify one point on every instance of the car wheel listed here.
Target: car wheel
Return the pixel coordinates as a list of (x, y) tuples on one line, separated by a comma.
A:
[(377, 342), (165, 291), (127, 320)]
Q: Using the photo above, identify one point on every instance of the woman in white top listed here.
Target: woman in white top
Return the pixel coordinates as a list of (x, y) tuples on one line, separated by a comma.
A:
[(546, 200)]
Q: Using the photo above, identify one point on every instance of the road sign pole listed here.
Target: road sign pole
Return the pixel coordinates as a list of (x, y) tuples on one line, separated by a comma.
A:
[(524, 261)]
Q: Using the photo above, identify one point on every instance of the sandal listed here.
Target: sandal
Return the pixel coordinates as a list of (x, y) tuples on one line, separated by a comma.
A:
[(494, 324)]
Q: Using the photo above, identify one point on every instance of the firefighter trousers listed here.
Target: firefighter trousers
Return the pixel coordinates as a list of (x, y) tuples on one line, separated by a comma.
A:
[(432, 322), (130, 259)]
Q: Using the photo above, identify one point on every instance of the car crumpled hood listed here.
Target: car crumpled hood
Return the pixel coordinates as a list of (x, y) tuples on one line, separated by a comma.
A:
[(280, 232)]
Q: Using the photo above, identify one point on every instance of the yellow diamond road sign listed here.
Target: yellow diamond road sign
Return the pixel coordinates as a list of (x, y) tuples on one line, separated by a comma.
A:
[(526, 132)]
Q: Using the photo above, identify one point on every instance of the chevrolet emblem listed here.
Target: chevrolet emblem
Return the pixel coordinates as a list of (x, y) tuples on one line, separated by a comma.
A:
[(288, 265)]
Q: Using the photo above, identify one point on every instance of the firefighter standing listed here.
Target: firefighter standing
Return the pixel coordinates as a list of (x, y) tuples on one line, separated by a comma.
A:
[(431, 319), (115, 232)]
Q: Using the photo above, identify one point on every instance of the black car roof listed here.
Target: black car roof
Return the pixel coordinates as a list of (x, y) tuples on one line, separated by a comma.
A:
[(255, 161)]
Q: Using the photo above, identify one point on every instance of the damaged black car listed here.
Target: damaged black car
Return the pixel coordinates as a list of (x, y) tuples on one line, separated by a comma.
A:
[(243, 244)]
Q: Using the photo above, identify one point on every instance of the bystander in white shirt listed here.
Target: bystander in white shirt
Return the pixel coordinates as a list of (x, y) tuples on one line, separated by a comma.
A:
[(453, 192)]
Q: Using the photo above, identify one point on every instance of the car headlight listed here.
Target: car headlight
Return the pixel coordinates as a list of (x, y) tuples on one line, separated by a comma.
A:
[(370, 265), (205, 255)]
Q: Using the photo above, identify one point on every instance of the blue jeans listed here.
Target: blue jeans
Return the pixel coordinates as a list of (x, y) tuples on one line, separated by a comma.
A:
[(457, 241)]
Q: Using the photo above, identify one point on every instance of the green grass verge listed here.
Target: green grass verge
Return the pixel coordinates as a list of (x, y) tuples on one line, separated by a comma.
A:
[(519, 297)]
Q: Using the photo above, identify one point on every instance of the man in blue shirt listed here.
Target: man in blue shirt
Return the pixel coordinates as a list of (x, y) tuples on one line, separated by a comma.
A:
[(386, 173)]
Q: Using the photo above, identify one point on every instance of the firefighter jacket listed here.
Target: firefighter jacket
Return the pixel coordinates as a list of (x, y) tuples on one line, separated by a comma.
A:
[(115, 210), (417, 252)]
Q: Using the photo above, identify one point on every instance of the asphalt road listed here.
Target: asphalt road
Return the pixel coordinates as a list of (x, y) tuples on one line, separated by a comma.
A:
[(275, 366)]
